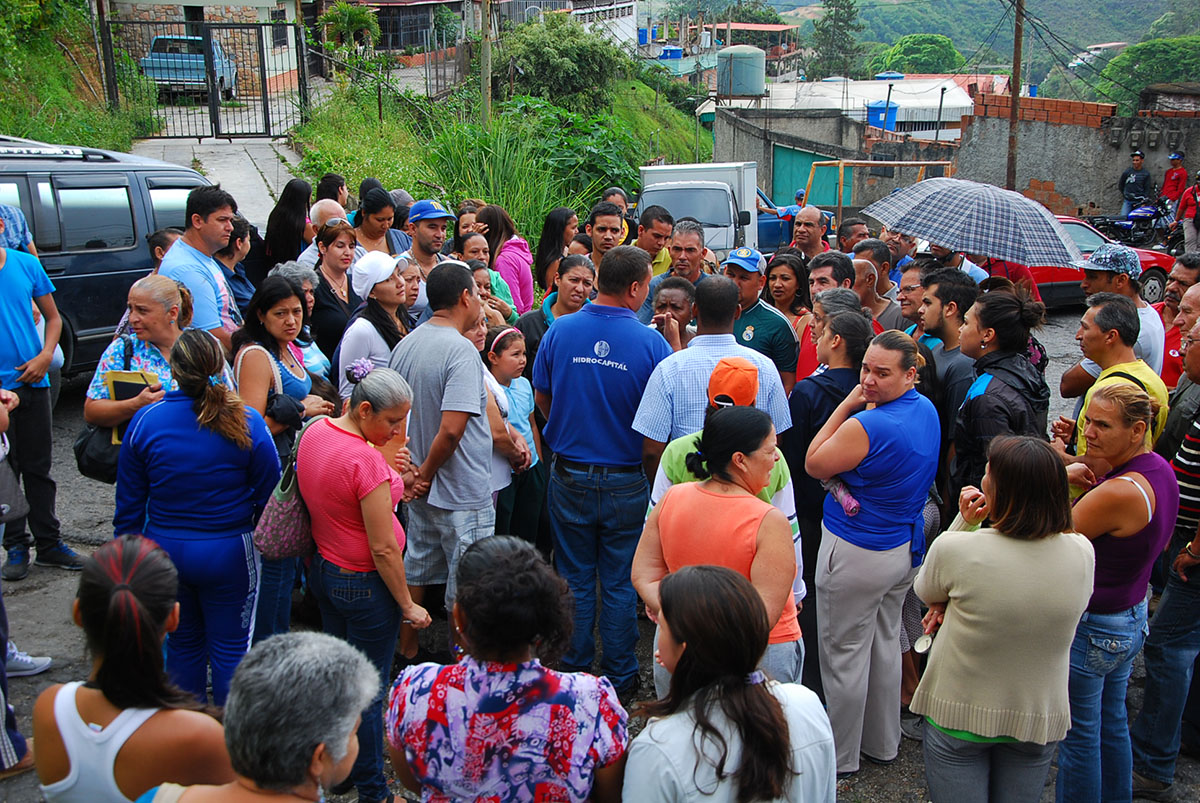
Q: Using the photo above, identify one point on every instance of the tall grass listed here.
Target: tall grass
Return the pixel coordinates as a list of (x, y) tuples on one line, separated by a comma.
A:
[(506, 166), (46, 98)]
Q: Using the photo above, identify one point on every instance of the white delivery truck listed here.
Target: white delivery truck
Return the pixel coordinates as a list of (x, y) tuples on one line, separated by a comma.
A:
[(720, 195)]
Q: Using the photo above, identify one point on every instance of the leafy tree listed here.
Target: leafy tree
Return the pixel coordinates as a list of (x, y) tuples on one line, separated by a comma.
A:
[(350, 23), (1182, 19), (558, 59), (921, 53), (445, 23), (833, 39), (1153, 62)]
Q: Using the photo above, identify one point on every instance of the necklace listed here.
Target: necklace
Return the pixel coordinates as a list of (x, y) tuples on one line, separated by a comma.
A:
[(340, 291)]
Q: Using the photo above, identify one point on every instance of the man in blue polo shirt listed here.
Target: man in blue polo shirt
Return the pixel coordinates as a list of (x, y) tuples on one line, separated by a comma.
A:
[(589, 376)]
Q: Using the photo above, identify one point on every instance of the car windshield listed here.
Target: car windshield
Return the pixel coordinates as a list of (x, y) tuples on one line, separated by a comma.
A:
[(1086, 238), (190, 47), (710, 206)]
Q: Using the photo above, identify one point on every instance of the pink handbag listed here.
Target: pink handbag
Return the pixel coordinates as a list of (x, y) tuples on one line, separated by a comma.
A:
[(285, 528)]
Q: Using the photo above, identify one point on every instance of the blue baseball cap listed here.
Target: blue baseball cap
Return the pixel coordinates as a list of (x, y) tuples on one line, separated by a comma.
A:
[(1176, 155), (1114, 259), (799, 195), (747, 259), (428, 210)]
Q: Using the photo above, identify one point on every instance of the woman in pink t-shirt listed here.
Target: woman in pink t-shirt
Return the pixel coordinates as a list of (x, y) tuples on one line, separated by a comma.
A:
[(357, 575)]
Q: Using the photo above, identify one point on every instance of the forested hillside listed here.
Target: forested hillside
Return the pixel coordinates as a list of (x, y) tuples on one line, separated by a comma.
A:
[(970, 22)]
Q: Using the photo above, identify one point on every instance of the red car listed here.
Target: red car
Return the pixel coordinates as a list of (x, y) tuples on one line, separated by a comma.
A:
[(1060, 286)]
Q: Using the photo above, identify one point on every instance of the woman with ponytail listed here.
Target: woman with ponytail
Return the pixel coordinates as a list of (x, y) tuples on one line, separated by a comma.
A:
[(128, 728), (195, 471), (724, 731), (733, 457), (564, 733)]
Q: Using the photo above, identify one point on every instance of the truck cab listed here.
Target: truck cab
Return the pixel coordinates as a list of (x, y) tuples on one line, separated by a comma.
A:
[(721, 196)]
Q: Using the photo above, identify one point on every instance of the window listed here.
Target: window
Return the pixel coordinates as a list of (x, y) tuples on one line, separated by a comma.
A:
[(9, 194), (1085, 237), (710, 206), (46, 235), (96, 218), (279, 33), (168, 205)]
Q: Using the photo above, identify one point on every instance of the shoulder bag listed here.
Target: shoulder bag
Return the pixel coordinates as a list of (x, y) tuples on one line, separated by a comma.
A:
[(13, 504), (285, 528), (95, 453)]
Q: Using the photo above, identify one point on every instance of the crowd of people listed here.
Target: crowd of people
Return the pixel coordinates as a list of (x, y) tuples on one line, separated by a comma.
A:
[(826, 477)]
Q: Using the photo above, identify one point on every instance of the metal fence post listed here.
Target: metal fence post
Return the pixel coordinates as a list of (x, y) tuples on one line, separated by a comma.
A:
[(110, 70), (302, 71), (262, 74)]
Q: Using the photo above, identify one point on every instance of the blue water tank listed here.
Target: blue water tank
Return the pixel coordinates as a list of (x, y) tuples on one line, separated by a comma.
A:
[(835, 79), (742, 71), (654, 34), (671, 52), (642, 36), (891, 75), (882, 114)]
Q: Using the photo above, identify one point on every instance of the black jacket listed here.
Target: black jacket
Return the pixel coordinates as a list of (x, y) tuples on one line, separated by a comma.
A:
[(1009, 397), (812, 401)]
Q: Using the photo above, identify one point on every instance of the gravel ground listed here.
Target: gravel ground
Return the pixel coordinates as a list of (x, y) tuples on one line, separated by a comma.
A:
[(39, 607)]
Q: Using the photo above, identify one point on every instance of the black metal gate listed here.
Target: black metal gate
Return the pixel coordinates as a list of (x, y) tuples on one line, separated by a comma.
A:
[(210, 79)]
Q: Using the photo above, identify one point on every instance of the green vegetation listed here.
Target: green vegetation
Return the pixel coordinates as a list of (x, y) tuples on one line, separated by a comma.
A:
[(559, 60), (50, 97), (834, 40), (347, 23), (1152, 62), (535, 154), (919, 53)]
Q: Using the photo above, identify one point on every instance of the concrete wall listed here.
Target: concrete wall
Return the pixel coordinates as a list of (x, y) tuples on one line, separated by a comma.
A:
[(751, 134), (1072, 166)]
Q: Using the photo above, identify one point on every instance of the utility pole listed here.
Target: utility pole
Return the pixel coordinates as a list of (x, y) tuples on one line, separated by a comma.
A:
[(485, 61), (1014, 112)]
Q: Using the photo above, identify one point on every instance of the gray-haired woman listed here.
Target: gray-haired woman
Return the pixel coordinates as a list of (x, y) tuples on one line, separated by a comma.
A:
[(291, 721), (305, 277), (357, 576)]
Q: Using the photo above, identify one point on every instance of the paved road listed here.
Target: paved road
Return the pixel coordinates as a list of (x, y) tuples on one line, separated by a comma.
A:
[(39, 606)]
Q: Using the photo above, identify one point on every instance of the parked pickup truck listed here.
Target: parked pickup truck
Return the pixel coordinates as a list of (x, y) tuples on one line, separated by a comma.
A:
[(176, 64)]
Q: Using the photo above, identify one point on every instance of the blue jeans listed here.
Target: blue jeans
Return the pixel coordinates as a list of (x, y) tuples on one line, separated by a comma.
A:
[(1101, 659), (358, 608), (1171, 650), (274, 613), (596, 517)]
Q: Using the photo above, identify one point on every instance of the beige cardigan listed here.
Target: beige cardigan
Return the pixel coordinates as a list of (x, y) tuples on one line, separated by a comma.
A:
[(1000, 662)]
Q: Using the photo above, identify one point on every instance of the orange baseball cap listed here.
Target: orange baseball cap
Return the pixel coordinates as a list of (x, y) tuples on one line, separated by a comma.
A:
[(734, 383)]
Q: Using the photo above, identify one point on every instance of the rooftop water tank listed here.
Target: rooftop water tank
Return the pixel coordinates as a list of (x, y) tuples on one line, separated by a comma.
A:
[(889, 76), (741, 71), (835, 79), (671, 52), (882, 114)]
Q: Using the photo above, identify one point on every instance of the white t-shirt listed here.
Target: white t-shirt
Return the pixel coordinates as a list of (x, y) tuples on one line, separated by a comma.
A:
[(662, 764), (362, 339), (501, 468)]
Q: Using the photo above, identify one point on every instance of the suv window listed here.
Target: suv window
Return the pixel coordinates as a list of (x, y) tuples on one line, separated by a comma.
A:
[(9, 194), (46, 235), (169, 205), (95, 218)]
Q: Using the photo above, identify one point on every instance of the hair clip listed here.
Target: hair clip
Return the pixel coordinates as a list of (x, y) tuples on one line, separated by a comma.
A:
[(215, 380), (756, 677), (357, 371)]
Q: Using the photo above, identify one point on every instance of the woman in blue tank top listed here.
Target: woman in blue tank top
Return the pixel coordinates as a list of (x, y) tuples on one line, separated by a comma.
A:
[(887, 455), (271, 378)]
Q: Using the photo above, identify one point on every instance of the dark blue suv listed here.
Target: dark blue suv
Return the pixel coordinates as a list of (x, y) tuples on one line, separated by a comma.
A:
[(90, 211)]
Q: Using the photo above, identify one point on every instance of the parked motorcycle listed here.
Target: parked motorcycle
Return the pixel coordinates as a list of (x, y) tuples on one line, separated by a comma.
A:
[(1146, 226)]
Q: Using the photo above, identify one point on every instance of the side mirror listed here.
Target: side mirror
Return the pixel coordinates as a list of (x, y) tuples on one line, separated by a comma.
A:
[(744, 218)]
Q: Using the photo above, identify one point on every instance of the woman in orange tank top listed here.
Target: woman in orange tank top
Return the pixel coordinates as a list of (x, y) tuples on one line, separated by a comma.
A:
[(719, 521)]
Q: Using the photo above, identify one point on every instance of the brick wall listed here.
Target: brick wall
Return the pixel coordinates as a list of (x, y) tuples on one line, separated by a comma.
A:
[(1046, 110)]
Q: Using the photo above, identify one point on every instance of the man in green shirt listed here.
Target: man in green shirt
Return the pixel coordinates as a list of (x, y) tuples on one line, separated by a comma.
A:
[(760, 326)]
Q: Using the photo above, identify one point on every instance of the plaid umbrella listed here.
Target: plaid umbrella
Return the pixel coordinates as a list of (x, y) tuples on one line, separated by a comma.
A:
[(978, 219)]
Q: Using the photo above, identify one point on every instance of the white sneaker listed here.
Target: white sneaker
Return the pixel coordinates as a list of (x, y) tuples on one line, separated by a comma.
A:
[(22, 664)]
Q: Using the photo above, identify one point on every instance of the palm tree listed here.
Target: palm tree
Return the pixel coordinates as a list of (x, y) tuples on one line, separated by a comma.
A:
[(347, 23)]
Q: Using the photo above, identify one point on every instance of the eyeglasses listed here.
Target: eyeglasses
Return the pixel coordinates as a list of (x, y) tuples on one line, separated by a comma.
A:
[(336, 221), (910, 288)]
